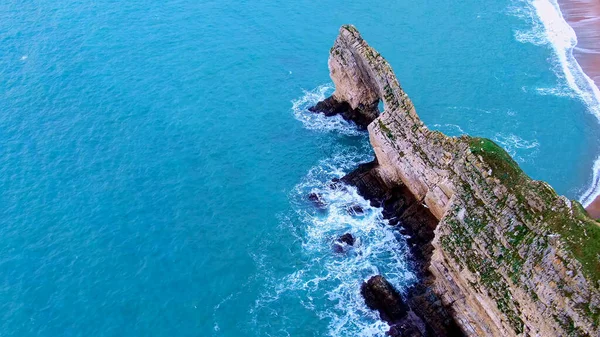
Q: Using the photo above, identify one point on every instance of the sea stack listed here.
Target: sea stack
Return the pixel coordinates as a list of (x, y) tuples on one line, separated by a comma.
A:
[(510, 257)]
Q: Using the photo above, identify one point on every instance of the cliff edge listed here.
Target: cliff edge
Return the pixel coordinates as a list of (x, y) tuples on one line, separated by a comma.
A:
[(509, 256)]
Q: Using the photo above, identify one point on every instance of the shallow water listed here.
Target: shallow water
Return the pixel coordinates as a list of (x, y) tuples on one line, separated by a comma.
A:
[(155, 156)]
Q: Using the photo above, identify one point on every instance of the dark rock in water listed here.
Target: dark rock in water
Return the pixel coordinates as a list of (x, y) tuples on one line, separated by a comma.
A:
[(380, 295), (400, 206), (416, 221), (356, 210), (342, 242), (395, 222), (336, 184), (338, 248), (317, 199), (347, 239), (362, 116), (330, 107), (368, 183)]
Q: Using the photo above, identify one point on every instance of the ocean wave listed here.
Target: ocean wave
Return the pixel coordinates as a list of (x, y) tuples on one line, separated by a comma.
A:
[(548, 27), (488, 111), (592, 192), (449, 129), (327, 282), (318, 121), (521, 150), (560, 91)]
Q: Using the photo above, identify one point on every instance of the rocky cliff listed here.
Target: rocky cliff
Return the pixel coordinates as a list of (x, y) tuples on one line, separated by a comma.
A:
[(507, 256)]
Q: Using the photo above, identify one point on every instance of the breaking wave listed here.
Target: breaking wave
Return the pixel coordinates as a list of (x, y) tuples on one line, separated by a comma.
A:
[(328, 282), (327, 277), (549, 28), (318, 121)]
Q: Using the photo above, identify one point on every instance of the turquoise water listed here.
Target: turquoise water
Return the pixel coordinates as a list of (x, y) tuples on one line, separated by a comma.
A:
[(156, 156)]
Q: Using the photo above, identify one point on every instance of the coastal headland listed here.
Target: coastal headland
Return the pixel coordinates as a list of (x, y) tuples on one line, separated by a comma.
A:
[(498, 254)]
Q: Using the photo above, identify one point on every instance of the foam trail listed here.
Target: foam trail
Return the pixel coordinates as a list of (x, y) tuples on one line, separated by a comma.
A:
[(554, 30)]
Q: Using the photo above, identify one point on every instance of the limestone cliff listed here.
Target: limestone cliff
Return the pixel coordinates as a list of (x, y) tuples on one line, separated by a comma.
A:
[(510, 257)]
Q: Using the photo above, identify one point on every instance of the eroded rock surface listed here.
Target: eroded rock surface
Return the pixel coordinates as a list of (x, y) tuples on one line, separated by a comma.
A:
[(507, 256), (380, 295)]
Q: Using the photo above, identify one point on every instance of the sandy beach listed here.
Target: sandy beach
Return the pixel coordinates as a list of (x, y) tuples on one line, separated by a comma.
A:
[(594, 209), (584, 17)]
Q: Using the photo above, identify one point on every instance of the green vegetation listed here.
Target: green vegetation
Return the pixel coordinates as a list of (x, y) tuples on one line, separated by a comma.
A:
[(460, 242), (386, 130), (503, 166), (581, 234), (577, 230)]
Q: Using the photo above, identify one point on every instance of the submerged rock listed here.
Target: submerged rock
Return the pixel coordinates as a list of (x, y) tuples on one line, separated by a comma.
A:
[(356, 210), (317, 199), (346, 240), (337, 184)]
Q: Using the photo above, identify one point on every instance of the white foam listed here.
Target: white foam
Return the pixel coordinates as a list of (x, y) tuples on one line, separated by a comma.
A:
[(520, 149), (560, 91), (328, 283), (550, 28), (318, 121), (450, 129), (592, 192)]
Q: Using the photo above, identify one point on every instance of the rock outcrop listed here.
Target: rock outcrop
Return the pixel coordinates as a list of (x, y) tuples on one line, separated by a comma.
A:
[(347, 238), (380, 295), (507, 256)]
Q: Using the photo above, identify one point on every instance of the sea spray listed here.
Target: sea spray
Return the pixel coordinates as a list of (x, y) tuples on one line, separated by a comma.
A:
[(318, 121), (327, 281)]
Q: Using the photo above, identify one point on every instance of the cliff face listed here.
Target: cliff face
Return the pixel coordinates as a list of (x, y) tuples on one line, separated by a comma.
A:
[(510, 257)]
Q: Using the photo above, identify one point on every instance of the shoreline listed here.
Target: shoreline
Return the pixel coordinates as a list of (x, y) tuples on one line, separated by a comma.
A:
[(476, 211), (583, 16), (593, 209)]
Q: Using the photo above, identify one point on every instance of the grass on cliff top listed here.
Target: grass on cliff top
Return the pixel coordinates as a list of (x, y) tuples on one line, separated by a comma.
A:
[(502, 165), (581, 234), (578, 231)]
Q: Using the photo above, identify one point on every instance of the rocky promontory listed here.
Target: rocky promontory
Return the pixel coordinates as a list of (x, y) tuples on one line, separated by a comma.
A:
[(500, 253)]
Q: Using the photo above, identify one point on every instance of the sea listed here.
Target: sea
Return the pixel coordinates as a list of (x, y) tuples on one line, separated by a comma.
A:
[(156, 156)]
